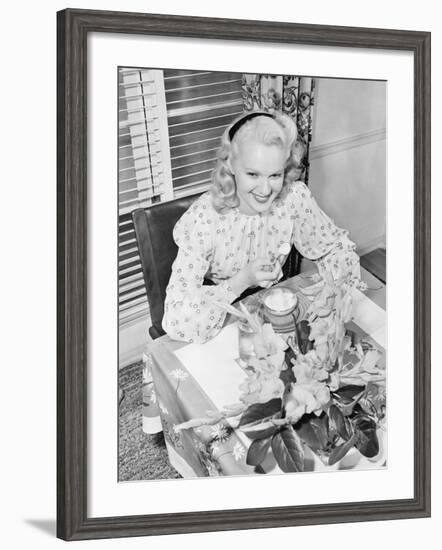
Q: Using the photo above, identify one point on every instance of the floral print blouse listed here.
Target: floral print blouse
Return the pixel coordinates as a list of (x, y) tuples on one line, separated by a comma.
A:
[(217, 246)]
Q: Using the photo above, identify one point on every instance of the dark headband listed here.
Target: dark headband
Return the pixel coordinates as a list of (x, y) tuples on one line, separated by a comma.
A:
[(243, 120)]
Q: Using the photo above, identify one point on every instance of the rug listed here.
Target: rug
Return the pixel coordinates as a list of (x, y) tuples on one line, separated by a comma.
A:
[(140, 456)]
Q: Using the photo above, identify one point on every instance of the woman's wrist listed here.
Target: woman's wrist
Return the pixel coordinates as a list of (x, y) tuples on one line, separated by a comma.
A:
[(239, 283)]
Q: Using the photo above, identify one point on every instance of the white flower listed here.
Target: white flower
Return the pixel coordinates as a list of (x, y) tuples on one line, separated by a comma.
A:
[(179, 374), (309, 366), (258, 388), (334, 381), (238, 451), (305, 398), (219, 432)]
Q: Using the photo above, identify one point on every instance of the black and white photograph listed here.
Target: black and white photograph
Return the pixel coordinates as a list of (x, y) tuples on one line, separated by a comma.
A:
[(252, 275)]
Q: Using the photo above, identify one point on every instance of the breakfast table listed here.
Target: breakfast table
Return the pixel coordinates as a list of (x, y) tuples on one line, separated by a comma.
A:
[(196, 380)]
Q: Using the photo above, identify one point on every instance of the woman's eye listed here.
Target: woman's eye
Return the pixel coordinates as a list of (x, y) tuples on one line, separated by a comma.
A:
[(276, 176)]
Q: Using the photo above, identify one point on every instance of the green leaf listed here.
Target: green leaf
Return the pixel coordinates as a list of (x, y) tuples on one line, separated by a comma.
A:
[(288, 451), (338, 422), (339, 452), (270, 462), (346, 394), (303, 337), (320, 426), (287, 375), (260, 431), (261, 411), (367, 441), (355, 337), (258, 451), (289, 354), (306, 432)]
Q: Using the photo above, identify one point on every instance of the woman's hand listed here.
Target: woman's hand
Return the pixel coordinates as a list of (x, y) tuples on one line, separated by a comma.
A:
[(259, 272)]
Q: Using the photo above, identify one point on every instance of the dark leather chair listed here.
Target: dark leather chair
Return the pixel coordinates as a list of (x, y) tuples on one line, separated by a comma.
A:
[(154, 233)]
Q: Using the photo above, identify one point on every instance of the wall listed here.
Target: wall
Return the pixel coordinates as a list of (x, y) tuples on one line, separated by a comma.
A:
[(348, 157), (28, 278)]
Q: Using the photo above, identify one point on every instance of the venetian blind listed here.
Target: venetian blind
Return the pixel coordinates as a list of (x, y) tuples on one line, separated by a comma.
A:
[(200, 105), (144, 170), (171, 122)]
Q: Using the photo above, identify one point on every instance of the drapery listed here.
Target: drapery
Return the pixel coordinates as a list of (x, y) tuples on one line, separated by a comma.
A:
[(293, 95)]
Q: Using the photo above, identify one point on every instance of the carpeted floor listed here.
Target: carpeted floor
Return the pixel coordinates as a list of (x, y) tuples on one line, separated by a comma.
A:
[(140, 456)]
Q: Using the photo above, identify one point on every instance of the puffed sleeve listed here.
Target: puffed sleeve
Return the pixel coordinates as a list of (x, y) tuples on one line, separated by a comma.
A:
[(317, 238), (189, 310)]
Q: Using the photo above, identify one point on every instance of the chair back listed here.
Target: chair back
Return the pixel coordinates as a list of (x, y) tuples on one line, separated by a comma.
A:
[(154, 233)]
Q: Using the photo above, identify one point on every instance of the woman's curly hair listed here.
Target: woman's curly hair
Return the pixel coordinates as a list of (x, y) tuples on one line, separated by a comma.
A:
[(262, 128)]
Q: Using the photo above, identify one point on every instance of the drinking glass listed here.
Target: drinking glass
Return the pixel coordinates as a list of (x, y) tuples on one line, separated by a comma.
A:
[(246, 342)]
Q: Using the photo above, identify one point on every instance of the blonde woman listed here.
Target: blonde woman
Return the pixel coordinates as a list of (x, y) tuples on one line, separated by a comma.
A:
[(232, 235)]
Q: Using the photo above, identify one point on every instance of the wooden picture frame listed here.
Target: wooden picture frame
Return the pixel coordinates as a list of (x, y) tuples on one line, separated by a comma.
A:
[(74, 26)]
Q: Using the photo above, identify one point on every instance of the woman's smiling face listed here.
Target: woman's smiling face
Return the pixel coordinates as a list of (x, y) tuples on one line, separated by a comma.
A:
[(259, 174)]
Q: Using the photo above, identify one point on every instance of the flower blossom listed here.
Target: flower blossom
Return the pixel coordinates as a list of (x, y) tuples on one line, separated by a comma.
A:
[(310, 393), (179, 374), (263, 380), (258, 388), (219, 433), (309, 366), (305, 398), (238, 451)]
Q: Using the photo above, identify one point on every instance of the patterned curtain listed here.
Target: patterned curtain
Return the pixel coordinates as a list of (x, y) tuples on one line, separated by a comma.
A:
[(293, 95)]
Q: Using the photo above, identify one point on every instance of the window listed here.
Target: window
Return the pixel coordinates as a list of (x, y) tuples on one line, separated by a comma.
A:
[(170, 125)]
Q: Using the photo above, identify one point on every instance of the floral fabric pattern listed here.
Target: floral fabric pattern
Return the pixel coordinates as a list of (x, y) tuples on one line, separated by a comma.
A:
[(217, 246)]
